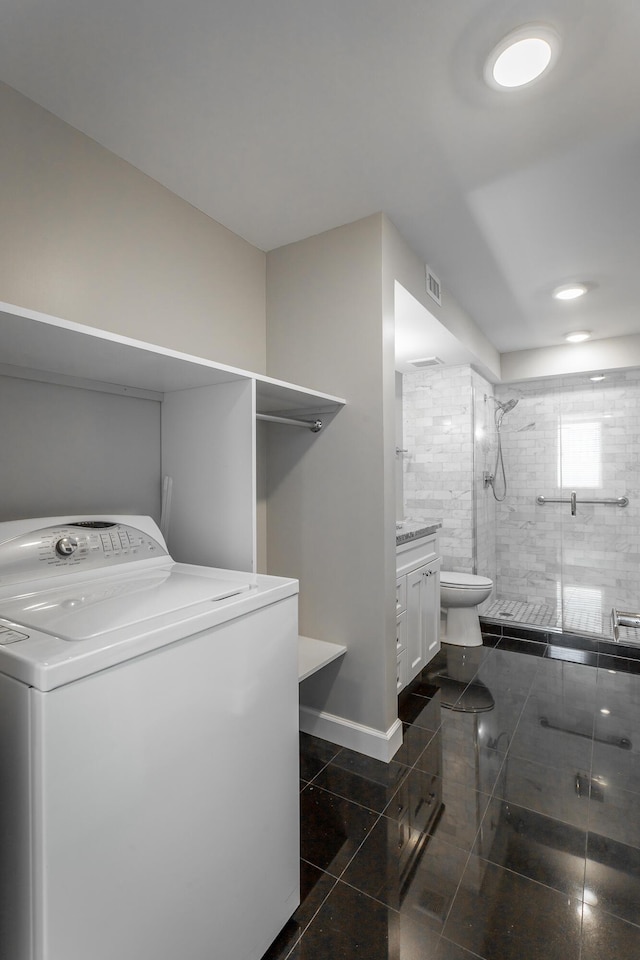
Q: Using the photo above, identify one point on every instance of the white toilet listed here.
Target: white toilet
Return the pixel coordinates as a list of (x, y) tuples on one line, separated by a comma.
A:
[(460, 594)]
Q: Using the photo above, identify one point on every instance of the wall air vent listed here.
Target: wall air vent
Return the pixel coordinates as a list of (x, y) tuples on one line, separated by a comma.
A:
[(426, 362), (433, 285)]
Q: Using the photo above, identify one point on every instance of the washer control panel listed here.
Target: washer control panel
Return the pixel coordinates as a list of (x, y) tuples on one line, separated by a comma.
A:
[(79, 546)]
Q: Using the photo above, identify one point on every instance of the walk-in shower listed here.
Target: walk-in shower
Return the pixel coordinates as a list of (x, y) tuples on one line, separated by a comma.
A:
[(498, 479), (563, 547)]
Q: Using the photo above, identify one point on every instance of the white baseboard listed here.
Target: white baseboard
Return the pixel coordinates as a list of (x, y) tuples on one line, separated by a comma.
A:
[(378, 744)]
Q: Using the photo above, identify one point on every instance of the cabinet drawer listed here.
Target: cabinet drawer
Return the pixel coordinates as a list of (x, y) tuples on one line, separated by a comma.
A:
[(415, 553), (401, 594)]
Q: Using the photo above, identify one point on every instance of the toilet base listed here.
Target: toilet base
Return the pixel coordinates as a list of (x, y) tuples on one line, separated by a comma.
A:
[(463, 627)]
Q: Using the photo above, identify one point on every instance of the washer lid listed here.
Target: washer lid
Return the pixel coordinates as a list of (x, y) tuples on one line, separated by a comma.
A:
[(92, 608), (51, 637), (464, 580)]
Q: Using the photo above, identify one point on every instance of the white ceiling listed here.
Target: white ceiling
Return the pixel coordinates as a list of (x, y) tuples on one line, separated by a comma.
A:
[(283, 118)]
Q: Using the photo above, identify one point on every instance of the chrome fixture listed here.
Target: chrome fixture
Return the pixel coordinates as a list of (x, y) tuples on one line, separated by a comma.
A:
[(314, 425), (623, 618), (573, 500), (489, 479)]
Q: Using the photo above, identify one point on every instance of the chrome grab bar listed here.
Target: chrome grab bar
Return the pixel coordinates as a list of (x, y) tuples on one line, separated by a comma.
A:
[(623, 618), (616, 501)]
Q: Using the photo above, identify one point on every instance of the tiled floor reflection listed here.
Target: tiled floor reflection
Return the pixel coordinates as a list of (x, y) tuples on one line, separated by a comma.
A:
[(506, 828)]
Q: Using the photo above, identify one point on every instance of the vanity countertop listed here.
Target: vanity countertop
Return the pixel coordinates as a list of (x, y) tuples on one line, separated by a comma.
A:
[(411, 529)]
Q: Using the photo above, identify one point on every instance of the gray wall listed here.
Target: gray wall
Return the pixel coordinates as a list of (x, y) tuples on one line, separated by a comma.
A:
[(328, 507), (68, 450), (87, 237)]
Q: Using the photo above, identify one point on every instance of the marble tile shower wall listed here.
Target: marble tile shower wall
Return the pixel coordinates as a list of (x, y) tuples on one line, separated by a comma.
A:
[(438, 420), (595, 555), (437, 424)]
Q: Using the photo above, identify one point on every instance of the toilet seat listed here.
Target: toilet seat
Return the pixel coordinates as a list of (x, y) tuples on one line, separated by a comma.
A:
[(463, 581)]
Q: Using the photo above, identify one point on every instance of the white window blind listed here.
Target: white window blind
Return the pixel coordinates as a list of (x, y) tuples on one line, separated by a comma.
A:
[(580, 454)]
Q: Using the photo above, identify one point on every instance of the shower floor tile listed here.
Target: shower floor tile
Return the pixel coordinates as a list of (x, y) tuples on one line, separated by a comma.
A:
[(518, 611), (578, 618)]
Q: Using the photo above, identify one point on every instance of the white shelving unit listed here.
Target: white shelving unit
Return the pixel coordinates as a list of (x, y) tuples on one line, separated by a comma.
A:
[(315, 654), (208, 427)]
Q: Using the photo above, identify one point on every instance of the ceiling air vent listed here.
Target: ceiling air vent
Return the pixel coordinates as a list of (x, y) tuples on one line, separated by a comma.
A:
[(433, 285), (426, 362)]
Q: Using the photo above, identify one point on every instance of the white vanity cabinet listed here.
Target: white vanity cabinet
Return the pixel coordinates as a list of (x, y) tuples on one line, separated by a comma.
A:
[(417, 606)]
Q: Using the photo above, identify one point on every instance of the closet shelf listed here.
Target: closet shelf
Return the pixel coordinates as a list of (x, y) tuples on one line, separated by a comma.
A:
[(37, 346), (315, 654)]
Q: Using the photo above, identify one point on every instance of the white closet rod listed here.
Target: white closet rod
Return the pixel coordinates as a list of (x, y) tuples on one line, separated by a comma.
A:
[(314, 425)]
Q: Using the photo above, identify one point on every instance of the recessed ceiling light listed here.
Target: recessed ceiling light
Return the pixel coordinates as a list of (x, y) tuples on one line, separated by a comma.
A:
[(570, 291), (600, 376), (577, 337), (522, 56)]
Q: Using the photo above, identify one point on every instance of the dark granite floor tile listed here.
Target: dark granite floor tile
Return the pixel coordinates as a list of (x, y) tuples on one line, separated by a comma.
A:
[(502, 916), (419, 686), (410, 871), (587, 658), (565, 678), (331, 829), (509, 673), (460, 754), (353, 926), (526, 633), (617, 765), (557, 794), (490, 627), (613, 812), (556, 727), (490, 639), (620, 649), (315, 887), (362, 779), (617, 695), (451, 951), (457, 663), (421, 712), (314, 755), (612, 879), (529, 647), (605, 936), (536, 847), (439, 807), (575, 641), (607, 661), (519, 893), (414, 741)]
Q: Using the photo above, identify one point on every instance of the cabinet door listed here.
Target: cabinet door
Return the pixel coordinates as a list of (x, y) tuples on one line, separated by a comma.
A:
[(416, 622), (431, 610), (423, 616)]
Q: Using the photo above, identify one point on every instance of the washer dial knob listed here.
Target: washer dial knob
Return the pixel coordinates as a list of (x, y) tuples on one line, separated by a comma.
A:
[(66, 546)]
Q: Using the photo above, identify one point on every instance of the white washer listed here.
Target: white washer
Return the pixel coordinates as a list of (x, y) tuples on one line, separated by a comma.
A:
[(148, 748)]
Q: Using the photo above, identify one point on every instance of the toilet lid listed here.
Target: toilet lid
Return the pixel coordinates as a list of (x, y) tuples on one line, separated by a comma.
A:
[(468, 580)]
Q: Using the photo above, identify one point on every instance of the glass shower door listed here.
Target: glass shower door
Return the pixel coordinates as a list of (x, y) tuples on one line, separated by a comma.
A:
[(593, 479)]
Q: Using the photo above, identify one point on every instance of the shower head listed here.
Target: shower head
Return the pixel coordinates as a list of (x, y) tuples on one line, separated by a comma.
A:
[(506, 406)]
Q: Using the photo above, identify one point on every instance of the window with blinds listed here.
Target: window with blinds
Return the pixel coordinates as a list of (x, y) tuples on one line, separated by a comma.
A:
[(580, 454)]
